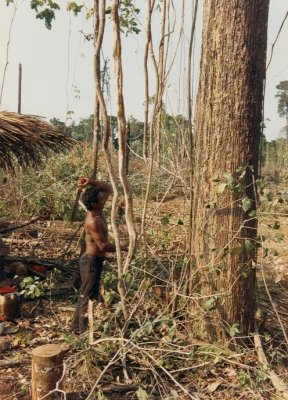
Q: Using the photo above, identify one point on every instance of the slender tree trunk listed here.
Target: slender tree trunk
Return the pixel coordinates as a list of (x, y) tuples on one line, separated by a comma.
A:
[(106, 138), (8, 50), (96, 127), (190, 128), (161, 74), (267, 155), (146, 101), (152, 129), (128, 141), (122, 132), (227, 137)]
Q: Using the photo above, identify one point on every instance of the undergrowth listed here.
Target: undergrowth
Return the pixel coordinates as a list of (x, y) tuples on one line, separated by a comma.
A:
[(154, 353)]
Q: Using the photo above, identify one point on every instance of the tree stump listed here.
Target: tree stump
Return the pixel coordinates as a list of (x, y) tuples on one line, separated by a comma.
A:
[(47, 370)]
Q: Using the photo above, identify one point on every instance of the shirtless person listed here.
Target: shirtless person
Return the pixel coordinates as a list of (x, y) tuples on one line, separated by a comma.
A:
[(96, 238)]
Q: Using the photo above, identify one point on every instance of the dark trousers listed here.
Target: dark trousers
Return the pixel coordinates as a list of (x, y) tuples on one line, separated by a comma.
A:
[(90, 268)]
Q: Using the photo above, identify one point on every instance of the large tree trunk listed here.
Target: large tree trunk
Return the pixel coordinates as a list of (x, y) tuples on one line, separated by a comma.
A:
[(227, 137)]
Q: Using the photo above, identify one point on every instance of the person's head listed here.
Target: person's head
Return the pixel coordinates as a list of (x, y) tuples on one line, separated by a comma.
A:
[(93, 198)]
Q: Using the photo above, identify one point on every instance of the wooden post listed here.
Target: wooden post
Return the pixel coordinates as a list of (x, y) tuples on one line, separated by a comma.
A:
[(90, 323), (19, 89), (47, 371)]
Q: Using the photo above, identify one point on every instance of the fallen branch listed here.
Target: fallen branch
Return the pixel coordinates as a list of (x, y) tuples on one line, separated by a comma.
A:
[(139, 349), (20, 241), (13, 228), (90, 323), (119, 388), (29, 260), (13, 363), (57, 388), (279, 385)]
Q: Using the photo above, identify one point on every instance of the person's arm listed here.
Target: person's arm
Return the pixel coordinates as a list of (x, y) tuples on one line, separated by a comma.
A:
[(103, 186)]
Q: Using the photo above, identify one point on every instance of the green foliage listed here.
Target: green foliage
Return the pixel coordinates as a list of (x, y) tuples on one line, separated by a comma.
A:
[(128, 17), (83, 131), (31, 287), (136, 134), (101, 396), (234, 330), (261, 377), (45, 9), (230, 182), (246, 203), (269, 195), (142, 394), (172, 127), (109, 281), (282, 96), (165, 219), (249, 246), (276, 225), (252, 213), (244, 378), (50, 191), (210, 304), (109, 296), (75, 344), (61, 126), (274, 200), (221, 187), (74, 7)]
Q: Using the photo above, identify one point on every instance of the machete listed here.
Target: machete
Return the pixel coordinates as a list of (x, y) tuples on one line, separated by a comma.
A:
[(76, 203)]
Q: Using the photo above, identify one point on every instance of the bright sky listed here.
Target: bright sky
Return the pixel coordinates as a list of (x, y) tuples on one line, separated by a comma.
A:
[(58, 66)]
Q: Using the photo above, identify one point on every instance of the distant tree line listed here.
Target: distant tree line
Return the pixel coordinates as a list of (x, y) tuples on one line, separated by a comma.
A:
[(275, 152), (174, 130)]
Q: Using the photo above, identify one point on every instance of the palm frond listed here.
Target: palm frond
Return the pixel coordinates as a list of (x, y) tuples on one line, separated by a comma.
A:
[(28, 139)]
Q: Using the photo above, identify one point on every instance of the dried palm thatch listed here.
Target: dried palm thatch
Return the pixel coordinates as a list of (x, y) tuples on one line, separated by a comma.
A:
[(28, 139)]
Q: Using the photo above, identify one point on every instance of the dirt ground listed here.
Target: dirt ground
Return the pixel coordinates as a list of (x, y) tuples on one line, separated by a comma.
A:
[(48, 320)]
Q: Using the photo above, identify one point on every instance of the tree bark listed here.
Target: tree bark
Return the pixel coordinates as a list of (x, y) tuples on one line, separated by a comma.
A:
[(47, 370), (227, 137)]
